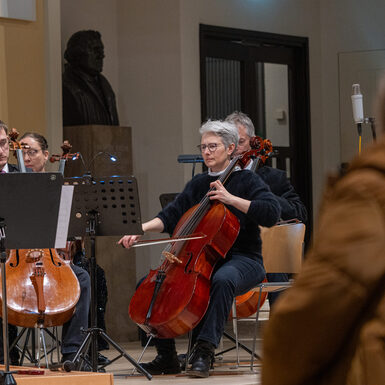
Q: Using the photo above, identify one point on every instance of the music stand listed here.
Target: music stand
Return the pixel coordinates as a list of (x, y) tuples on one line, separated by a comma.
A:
[(44, 201), (103, 207)]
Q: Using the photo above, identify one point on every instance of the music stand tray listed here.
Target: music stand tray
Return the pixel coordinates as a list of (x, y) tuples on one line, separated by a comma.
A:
[(29, 204), (34, 213), (106, 206)]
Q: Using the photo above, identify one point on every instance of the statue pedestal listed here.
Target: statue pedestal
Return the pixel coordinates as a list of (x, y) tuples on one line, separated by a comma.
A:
[(90, 140), (119, 264)]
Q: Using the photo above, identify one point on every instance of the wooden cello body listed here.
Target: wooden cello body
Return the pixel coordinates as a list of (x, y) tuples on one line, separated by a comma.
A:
[(42, 289), (183, 296)]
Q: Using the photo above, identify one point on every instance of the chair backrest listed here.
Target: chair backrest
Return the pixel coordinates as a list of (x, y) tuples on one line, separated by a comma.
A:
[(282, 247)]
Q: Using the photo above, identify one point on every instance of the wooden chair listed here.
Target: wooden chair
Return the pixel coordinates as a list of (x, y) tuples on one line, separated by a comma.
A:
[(282, 251)]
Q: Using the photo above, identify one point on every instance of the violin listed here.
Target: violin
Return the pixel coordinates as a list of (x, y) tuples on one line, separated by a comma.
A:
[(42, 289)]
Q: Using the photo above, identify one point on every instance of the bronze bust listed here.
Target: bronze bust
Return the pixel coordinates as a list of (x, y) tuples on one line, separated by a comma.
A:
[(87, 95)]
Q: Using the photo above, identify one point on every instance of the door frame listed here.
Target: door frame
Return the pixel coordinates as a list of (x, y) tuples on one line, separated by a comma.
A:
[(281, 49)]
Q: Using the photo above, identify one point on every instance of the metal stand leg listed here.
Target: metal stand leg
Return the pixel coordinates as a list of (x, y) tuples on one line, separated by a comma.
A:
[(144, 349), (93, 332)]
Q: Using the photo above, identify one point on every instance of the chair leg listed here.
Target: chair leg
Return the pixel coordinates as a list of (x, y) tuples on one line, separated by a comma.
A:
[(235, 328), (256, 329)]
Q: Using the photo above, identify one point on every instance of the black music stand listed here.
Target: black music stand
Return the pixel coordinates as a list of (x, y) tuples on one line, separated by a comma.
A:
[(21, 209), (103, 207)]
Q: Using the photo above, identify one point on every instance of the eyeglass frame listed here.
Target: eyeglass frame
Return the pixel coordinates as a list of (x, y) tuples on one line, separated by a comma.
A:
[(31, 152), (202, 147)]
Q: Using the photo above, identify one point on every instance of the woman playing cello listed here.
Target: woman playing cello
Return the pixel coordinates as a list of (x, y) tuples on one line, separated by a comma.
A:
[(251, 201)]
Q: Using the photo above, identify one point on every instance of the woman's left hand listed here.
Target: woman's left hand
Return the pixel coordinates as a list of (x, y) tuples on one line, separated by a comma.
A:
[(219, 193)]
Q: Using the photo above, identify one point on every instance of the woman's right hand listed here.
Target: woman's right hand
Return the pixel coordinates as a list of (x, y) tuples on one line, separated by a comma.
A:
[(128, 240)]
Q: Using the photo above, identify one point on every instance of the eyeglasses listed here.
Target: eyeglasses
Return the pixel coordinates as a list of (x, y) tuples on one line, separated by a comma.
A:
[(4, 143), (211, 147), (31, 152)]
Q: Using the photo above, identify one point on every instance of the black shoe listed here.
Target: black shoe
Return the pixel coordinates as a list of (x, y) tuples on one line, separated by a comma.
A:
[(103, 360), (182, 361), (163, 364), (202, 359)]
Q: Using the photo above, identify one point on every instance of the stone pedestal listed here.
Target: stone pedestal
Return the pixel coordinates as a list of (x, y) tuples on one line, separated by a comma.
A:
[(94, 143)]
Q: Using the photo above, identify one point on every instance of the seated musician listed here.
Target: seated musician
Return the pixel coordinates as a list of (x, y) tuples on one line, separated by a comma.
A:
[(5, 167), (35, 157), (249, 199), (291, 204)]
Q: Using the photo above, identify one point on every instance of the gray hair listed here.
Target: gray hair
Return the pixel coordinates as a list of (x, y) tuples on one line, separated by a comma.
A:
[(239, 118), (4, 127), (227, 131)]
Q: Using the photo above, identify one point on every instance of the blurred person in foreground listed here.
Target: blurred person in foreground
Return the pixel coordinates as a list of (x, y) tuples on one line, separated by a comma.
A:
[(329, 328)]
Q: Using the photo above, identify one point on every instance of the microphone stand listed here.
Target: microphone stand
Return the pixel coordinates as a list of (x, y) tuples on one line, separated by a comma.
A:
[(372, 127), (370, 121)]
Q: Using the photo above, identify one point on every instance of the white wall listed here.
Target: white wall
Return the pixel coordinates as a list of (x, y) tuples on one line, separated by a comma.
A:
[(347, 26), (150, 102), (152, 61)]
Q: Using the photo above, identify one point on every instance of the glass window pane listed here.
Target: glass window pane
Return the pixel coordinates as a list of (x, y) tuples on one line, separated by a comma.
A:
[(277, 104), (223, 85)]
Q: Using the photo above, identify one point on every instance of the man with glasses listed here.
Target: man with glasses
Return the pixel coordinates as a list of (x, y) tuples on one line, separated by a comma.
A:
[(4, 150), (290, 202)]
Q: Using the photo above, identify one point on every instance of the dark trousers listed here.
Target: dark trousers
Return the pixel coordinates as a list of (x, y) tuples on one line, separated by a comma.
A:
[(72, 337), (234, 276)]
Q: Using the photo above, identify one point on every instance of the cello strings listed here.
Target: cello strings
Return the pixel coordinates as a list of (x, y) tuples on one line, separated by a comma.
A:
[(203, 206)]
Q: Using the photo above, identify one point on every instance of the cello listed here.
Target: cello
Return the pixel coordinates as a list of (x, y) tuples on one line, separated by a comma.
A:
[(186, 285), (42, 288)]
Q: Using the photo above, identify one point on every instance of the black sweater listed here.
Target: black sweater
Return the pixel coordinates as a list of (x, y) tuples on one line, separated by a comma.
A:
[(264, 209), (289, 200)]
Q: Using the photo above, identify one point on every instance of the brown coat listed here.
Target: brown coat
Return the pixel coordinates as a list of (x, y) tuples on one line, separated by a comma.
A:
[(329, 328)]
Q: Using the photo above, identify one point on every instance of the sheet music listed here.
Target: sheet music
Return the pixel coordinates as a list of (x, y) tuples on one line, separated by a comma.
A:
[(64, 216)]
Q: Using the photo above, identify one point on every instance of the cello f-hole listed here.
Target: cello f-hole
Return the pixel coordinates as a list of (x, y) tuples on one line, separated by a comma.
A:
[(17, 260), (53, 261), (190, 255)]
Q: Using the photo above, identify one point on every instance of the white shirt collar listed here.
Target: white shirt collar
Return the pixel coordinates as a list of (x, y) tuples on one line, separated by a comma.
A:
[(212, 173), (6, 168)]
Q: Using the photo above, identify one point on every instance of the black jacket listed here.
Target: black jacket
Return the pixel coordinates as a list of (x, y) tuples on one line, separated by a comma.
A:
[(289, 200)]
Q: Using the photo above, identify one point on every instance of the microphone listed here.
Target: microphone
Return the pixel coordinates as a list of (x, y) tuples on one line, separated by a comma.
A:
[(358, 108)]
